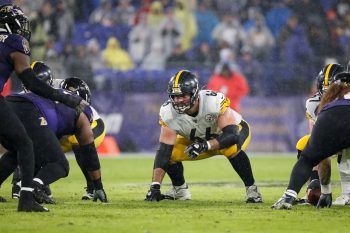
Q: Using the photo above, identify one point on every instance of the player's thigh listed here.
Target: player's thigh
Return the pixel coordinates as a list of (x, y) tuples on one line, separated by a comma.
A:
[(12, 131), (330, 134)]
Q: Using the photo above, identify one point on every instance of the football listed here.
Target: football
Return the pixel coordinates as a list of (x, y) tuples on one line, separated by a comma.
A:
[(313, 196)]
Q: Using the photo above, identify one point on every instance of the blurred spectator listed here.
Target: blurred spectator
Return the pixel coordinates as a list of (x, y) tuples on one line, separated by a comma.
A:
[(205, 56), (79, 65), (230, 31), (232, 7), (177, 58), (253, 70), (64, 19), (206, 22), (226, 56), (93, 53), (171, 32), (277, 17), (38, 38), (115, 57), (155, 16), (231, 83), (143, 9), (185, 15), (260, 39), (140, 40), (155, 59), (125, 12), (104, 14)]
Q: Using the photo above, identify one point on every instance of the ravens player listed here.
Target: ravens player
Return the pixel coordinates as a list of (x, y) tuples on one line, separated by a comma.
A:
[(14, 56), (69, 142), (325, 141), (47, 121), (198, 124), (324, 79)]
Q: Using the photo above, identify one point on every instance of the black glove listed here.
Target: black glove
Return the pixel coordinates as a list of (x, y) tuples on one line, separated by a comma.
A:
[(154, 194), (325, 200), (196, 148), (100, 194)]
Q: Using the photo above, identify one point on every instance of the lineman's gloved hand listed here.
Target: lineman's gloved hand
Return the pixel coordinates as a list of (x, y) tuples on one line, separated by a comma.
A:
[(154, 194), (100, 194), (196, 148), (82, 106), (325, 200)]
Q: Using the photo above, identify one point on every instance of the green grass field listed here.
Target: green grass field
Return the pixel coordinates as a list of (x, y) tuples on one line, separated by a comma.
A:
[(217, 203)]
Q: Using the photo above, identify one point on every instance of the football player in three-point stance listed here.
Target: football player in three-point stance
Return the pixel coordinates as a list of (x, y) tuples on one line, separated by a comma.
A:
[(324, 79), (14, 57), (198, 124), (324, 142), (68, 143)]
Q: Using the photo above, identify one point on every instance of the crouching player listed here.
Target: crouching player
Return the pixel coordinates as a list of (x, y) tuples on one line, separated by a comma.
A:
[(197, 125)]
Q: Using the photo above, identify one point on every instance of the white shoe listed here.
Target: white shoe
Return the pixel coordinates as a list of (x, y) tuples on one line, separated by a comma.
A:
[(253, 195), (344, 199), (178, 193)]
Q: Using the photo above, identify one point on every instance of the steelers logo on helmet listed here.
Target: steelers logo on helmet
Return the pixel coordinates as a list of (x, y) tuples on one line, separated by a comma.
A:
[(13, 21), (326, 76), (77, 86), (183, 83)]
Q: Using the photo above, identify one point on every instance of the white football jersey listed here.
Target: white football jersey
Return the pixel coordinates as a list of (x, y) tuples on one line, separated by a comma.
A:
[(205, 124), (312, 106)]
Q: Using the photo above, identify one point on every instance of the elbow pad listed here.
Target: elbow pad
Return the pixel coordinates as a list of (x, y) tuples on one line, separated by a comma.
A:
[(229, 136), (163, 156), (89, 157)]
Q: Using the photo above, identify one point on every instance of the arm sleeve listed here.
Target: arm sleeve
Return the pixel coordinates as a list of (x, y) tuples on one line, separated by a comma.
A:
[(32, 83)]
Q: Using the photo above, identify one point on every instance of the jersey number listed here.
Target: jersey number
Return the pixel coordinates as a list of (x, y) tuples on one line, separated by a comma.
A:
[(208, 134)]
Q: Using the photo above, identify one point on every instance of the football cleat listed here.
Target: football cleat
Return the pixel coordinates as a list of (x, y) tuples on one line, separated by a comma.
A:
[(178, 193), (253, 196), (27, 203), (342, 200), (285, 202), (15, 191), (89, 195), (41, 197)]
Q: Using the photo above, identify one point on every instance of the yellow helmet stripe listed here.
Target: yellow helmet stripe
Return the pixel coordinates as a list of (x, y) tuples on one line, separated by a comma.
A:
[(326, 76), (33, 64), (176, 83)]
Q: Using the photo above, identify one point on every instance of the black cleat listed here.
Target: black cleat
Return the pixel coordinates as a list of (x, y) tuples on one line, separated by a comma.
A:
[(30, 205), (285, 202), (41, 197)]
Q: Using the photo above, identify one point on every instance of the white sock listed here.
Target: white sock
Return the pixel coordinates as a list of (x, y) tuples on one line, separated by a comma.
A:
[(181, 186), (291, 193), (38, 180)]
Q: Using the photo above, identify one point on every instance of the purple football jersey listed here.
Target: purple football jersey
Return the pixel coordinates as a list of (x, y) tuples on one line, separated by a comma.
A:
[(10, 43)]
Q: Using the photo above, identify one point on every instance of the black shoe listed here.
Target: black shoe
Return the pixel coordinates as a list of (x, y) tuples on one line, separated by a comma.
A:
[(47, 190), (28, 204), (41, 197), (15, 191)]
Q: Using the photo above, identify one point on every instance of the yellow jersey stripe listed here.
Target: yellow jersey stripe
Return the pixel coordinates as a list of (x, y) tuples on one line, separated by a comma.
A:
[(33, 64), (326, 76), (176, 83)]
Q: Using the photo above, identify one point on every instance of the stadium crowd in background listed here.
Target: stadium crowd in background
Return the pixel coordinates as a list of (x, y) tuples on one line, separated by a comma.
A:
[(292, 39)]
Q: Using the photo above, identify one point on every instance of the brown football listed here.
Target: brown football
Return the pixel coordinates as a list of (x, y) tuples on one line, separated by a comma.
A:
[(313, 196)]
